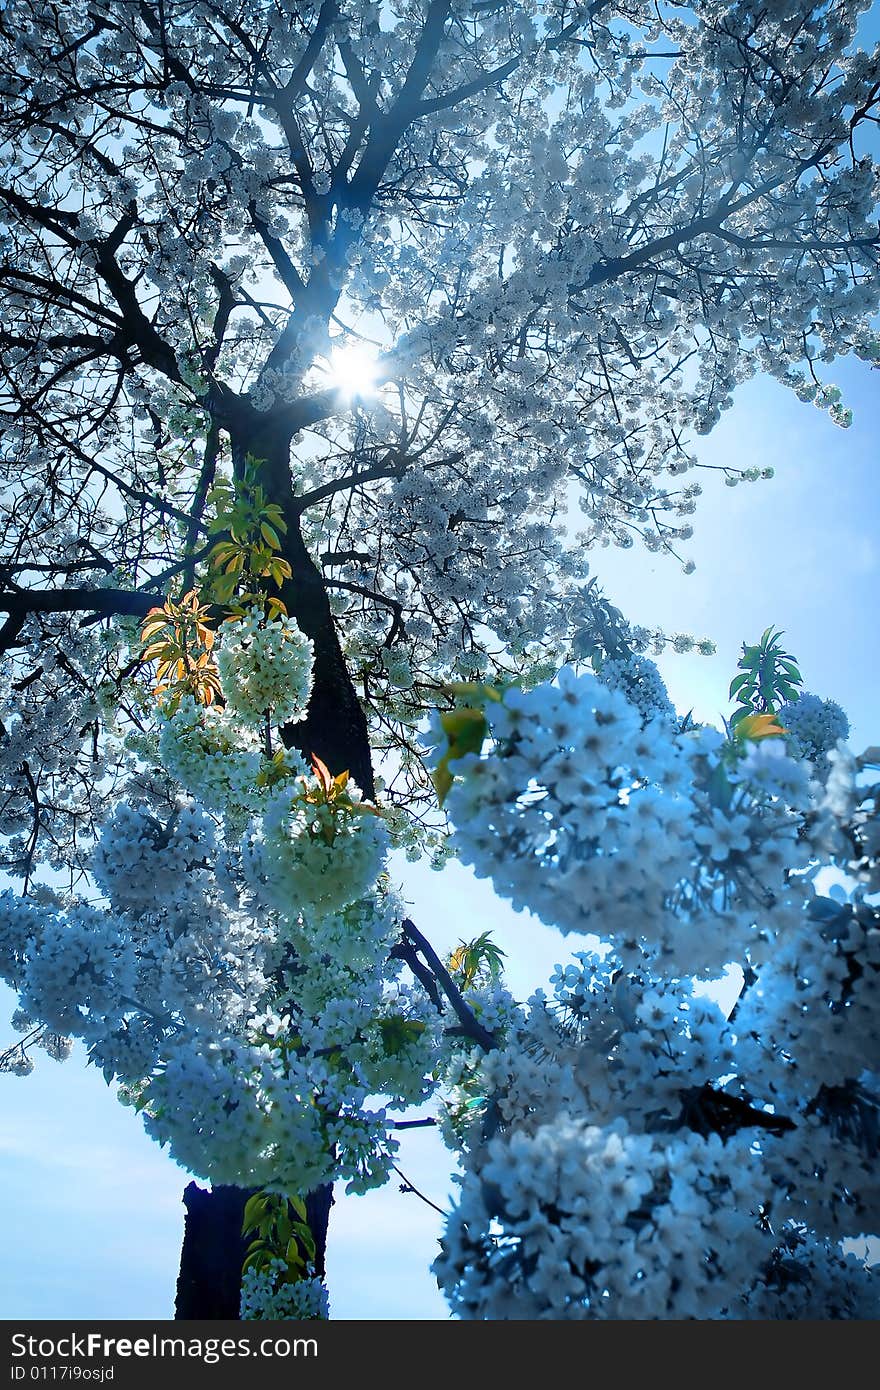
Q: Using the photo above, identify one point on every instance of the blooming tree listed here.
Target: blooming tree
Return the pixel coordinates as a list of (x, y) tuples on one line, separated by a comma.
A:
[(323, 324)]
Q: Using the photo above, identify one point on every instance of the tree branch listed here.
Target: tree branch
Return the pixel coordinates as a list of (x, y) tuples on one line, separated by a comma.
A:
[(109, 602), (471, 1025)]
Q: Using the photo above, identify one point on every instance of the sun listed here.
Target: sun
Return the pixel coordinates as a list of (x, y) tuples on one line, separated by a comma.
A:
[(353, 369)]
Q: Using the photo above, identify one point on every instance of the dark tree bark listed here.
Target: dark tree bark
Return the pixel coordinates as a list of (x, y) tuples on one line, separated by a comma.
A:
[(335, 727), (209, 1283)]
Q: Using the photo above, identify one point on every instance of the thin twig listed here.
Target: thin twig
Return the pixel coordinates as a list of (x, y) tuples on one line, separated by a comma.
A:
[(410, 1187)]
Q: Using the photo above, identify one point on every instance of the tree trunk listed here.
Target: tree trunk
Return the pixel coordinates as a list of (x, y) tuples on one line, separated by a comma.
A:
[(335, 726), (209, 1283)]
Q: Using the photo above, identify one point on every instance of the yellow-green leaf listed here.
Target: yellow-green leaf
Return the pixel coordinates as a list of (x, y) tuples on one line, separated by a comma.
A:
[(758, 726), (442, 779)]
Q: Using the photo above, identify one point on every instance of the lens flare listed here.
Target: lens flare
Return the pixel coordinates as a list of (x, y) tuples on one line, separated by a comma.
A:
[(353, 368)]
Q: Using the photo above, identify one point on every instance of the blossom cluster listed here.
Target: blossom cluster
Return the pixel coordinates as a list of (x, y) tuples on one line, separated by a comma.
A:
[(237, 982), (253, 1062), (315, 854), (265, 670), (639, 680), (622, 1164), (814, 726), (601, 1222), (266, 1294), (134, 843), (212, 757), (599, 822), (630, 1148)]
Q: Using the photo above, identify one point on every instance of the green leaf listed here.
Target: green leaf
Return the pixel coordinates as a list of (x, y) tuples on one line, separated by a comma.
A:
[(719, 787), (442, 779), (466, 729), (254, 1212), (304, 1235), (398, 1033), (257, 1259), (469, 959)]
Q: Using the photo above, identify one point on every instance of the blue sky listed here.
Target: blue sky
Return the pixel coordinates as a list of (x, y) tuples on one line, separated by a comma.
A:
[(91, 1208)]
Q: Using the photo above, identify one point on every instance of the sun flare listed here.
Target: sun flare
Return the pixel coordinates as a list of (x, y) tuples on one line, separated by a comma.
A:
[(353, 368)]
